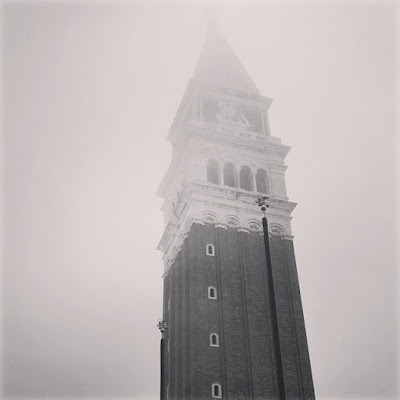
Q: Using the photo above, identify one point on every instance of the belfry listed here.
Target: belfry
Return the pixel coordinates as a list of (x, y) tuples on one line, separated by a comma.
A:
[(218, 335)]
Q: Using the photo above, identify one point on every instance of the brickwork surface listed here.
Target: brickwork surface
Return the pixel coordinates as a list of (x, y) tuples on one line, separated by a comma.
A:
[(244, 363)]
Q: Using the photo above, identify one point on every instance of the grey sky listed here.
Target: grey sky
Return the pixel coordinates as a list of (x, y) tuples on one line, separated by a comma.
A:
[(90, 93)]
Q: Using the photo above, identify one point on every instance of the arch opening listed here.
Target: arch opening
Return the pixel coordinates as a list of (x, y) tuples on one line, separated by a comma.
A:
[(216, 391), (212, 293), (214, 340), (261, 181), (210, 250), (229, 174), (245, 178), (212, 171)]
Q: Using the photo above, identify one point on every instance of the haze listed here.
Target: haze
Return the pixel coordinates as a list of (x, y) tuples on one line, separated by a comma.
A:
[(90, 92)]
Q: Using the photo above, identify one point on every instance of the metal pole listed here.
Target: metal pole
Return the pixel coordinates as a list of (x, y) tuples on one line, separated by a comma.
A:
[(162, 326), (162, 368), (274, 314)]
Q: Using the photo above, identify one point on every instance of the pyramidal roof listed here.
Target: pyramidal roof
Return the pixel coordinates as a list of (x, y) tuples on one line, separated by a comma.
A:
[(219, 66)]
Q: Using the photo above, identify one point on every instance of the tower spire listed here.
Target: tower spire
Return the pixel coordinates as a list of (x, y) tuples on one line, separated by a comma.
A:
[(218, 65), (212, 21)]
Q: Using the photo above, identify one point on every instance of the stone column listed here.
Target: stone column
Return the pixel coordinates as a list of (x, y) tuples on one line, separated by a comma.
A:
[(253, 181), (236, 174), (221, 172)]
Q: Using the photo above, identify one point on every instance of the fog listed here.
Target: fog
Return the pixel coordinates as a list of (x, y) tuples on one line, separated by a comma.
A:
[(89, 94)]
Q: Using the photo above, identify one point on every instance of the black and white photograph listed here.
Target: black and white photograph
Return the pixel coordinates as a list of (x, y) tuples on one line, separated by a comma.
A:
[(199, 200)]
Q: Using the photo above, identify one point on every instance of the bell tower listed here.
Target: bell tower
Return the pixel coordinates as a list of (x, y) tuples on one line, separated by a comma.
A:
[(218, 336)]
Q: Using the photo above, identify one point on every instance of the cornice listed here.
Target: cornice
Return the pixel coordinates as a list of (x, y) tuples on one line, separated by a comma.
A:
[(225, 208), (246, 139), (246, 98)]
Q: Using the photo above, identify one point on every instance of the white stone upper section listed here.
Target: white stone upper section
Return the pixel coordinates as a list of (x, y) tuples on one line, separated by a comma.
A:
[(225, 207), (223, 154), (194, 103), (189, 165)]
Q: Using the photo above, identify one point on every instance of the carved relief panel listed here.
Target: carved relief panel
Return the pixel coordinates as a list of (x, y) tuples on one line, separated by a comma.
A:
[(230, 115)]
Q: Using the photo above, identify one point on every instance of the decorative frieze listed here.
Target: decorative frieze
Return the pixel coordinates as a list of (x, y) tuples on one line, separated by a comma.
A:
[(225, 208)]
